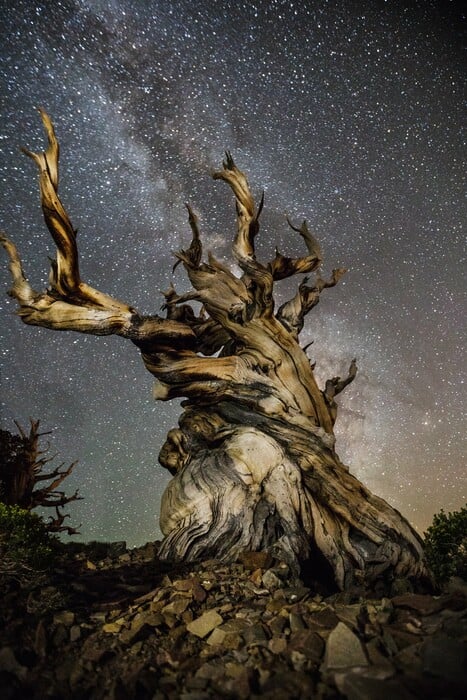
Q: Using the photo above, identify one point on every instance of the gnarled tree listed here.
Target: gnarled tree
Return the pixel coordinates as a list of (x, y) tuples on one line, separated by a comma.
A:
[(22, 464), (253, 459)]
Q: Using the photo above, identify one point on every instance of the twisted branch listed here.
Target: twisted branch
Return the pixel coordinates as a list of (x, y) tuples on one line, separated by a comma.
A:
[(292, 313)]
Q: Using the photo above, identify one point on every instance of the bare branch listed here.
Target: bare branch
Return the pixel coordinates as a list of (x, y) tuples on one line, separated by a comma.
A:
[(292, 313), (61, 476), (210, 335), (49, 312), (53, 499), (65, 277), (340, 384), (313, 247), (225, 296), (33, 431), (183, 374), (56, 523), (192, 256), (258, 279), (335, 385), (247, 220), (71, 304), (282, 266)]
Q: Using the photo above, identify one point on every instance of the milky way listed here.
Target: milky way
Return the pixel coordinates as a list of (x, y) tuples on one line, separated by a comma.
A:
[(346, 114)]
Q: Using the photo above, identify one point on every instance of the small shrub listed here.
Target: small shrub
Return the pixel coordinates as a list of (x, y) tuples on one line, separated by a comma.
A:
[(446, 545), (24, 538)]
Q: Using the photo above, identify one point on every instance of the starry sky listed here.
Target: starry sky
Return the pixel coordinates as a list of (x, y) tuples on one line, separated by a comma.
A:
[(348, 114)]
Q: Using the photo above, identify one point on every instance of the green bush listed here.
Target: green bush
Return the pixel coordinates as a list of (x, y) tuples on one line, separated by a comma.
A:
[(446, 545), (24, 538)]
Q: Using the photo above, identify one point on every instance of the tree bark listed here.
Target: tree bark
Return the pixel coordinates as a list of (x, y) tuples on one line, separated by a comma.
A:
[(253, 457)]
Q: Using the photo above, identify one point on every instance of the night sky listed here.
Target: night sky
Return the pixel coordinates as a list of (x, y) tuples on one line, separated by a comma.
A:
[(348, 114)]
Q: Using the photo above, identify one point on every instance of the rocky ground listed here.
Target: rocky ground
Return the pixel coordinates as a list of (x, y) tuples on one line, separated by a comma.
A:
[(117, 624)]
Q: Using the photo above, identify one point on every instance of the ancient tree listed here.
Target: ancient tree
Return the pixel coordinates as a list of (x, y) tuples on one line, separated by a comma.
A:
[(253, 459), (23, 481)]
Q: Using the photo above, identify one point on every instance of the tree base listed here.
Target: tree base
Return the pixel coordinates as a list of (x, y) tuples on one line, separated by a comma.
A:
[(246, 491)]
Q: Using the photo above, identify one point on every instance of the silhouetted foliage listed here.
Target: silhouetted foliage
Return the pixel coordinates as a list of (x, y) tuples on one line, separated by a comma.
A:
[(22, 461), (446, 545), (25, 537)]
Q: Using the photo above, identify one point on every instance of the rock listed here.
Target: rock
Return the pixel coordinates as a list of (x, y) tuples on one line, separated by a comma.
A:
[(256, 577), (456, 585), (255, 634), (9, 663), (140, 628), (233, 641), (378, 659), (210, 671), (246, 641), (216, 637), (349, 614), (75, 633), (40, 640), (296, 622), (255, 560), (278, 645), (293, 594), (60, 635), (325, 617), (409, 659), (298, 660), (95, 649), (64, 617), (199, 591), (112, 627), (277, 624), (455, 626), (446, 658), (384, 612), (204, 624), (403, 637), (114, 549), (99, 616), (237, 682), (423, 604), (183, 585), (414, 627), (308, 643), (193, 586), (357, 686), (286, 684), (455, 601), (176, 633), (271, 581), (236, 625), (190, 695), (389, 643), (177, 606), (343, 649)]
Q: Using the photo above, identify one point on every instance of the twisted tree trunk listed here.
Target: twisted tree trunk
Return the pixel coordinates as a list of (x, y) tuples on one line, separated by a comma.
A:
[(253, 457)]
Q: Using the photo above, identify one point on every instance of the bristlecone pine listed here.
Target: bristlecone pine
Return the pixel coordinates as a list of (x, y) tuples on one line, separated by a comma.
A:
[(253, 459)]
